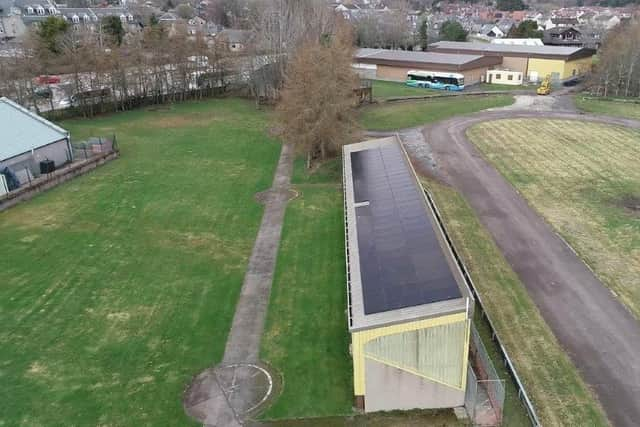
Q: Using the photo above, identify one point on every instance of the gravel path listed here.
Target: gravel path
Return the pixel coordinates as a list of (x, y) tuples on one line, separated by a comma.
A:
[(598, 333)]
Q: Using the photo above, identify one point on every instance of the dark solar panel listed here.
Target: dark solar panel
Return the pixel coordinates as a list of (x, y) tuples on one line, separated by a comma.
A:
[(401, 261)]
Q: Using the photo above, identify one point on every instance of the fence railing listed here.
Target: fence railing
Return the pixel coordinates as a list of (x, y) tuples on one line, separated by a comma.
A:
[(487, 375), (522, 393)]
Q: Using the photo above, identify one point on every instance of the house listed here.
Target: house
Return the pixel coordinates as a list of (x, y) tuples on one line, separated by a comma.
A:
[(409, 307), (561, 36), (236, 40), (534, 62), (197, 25), (27, 140)]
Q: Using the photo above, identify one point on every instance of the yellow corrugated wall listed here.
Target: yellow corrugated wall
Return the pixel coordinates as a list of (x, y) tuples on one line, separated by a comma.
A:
[(432, 353), (581, 66), (360, 338), (546, 67)]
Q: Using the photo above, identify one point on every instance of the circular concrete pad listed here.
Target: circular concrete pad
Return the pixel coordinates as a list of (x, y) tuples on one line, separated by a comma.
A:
[(225, 395)]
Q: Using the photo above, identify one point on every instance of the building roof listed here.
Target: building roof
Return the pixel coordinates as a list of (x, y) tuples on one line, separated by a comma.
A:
[(400, 266), (411, 59), (550, 52), (23, 131)]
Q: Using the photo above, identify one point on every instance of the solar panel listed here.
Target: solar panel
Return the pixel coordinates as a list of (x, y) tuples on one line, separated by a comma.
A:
[(401, 261)]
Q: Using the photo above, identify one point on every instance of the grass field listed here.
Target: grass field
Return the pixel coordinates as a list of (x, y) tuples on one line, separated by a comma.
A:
[(584, 179), (383, 90), (400, 115), (306, 336), (560, 396), (609, 108), (119, 286)]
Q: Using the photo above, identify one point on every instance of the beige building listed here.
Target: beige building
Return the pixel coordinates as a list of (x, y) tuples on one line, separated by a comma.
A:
[(409, 307), (504, 77), (533, 62), (385, 64)]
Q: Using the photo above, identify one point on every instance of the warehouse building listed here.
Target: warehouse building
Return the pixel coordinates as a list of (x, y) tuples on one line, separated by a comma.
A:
[(409, 307), (534, 62), (395, 64), (27, 140)]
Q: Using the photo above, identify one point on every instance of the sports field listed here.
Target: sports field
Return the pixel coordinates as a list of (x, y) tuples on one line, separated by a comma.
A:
[(406, 114), (119, 286), (584, 179), (559, 394)]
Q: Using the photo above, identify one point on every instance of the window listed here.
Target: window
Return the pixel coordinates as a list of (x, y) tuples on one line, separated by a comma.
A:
[(510, 77), (75, 19), (30, 10), (498, 76), (40, 10), (519, 77)]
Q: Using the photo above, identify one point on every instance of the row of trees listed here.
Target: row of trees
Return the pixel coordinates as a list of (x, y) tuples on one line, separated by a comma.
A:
[(617, 72), (299, 56), (153, 66)]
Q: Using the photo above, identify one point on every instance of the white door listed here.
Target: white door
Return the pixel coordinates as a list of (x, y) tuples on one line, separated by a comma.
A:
[(533, 76)]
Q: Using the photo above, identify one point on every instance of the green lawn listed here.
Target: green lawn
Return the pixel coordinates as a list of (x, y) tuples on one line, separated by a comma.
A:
[(584, 179), (119, 286), (609, 107), (306, 337), (400, 115), (384, 89), (558, 392)]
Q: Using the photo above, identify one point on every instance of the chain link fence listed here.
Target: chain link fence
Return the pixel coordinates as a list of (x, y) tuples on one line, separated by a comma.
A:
[(485, 394)]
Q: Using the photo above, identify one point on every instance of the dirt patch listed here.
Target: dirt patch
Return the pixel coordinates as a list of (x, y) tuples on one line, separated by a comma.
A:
[(630, 204)]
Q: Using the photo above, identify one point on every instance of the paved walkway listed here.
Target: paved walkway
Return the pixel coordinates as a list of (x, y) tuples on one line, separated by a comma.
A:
[(597, 331), (225, 395)]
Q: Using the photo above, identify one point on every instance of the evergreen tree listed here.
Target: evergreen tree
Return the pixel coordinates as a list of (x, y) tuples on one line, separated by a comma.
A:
[(422, 34), (453, 31)]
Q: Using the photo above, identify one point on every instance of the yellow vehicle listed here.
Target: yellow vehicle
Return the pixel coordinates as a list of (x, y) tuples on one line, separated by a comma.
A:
[(545, 87)]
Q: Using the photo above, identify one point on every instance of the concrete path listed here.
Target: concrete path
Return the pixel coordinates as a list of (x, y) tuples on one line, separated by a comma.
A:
[(596, 330), (224, 396)]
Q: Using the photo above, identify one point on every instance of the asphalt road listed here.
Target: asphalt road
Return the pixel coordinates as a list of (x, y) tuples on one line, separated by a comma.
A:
[(597, 331)]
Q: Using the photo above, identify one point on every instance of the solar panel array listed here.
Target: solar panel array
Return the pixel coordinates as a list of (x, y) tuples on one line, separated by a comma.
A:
[(401, 261)]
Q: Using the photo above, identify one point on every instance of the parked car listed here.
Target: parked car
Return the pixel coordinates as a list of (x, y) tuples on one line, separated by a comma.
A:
[(93, 96), (48, 80), (43, 92), (572, 82)]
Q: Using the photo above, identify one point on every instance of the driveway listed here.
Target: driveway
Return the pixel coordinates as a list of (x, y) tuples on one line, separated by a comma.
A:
[(599, 334)]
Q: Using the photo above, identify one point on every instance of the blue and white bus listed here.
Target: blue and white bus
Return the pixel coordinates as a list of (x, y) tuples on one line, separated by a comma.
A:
[(435, 80)]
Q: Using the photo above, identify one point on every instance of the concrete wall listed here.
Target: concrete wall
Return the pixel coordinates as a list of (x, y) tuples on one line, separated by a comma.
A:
[(390, 388)]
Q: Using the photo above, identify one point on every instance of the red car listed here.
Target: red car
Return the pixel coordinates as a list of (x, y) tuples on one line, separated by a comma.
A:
[(48, 80)]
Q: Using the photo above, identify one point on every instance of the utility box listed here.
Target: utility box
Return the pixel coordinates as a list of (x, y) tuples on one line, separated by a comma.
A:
[(47, 166)]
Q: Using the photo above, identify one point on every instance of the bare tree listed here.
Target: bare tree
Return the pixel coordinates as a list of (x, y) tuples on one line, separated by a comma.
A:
[(317, 109), (617, 72)]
